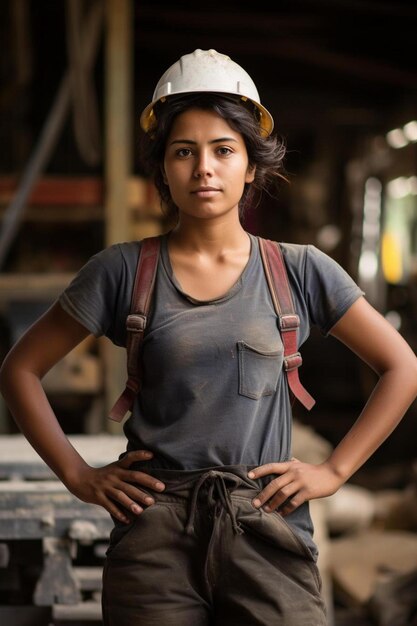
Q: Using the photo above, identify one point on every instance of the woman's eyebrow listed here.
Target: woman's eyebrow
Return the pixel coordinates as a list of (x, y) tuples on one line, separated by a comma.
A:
[(193, 143)]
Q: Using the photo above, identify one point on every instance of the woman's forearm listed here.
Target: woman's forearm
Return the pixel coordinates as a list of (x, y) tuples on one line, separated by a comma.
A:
[(392, 396), (27, 401), (115, 486), (43, 345)]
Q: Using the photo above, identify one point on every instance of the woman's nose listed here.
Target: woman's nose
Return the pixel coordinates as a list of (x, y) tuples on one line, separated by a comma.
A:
[(203, 166)]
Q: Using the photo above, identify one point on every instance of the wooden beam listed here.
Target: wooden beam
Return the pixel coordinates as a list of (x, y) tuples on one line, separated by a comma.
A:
[(118, 116), (57, 191), (118, 161), (80, 192), (287, 48)]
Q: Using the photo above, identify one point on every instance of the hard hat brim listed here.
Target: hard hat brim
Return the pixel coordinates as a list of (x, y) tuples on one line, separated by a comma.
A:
[(148, 119)]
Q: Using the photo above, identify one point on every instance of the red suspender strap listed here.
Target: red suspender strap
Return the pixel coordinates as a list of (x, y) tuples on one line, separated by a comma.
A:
[(136, 323), (289, 321)]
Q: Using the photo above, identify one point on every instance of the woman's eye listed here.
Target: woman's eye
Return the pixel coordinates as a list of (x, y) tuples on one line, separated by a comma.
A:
[(224, 150), (183, 152)]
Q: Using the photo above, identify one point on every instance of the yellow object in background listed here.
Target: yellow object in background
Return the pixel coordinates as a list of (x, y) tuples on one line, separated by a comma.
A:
[(392, 261)]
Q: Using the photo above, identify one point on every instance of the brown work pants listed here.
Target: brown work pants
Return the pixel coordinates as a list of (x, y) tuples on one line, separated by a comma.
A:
[(202, 555)]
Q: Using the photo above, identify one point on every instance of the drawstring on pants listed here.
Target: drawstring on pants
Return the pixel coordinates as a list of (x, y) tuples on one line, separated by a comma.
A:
[(217, 486)]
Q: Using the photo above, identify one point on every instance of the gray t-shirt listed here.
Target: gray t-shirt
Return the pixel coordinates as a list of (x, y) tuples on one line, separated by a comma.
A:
[(213, 390)]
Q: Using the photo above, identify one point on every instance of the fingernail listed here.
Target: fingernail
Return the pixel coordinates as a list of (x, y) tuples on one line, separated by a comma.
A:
[(148, 455), (256, 503), (149, 500), (135, 508), (159, 486), (267, 508), (251, 475)]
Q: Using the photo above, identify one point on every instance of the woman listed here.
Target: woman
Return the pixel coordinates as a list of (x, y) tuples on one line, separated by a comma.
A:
[(210, 509)]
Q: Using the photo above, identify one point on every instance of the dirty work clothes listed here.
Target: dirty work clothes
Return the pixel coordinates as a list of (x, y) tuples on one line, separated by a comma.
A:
[(212, 370), (204, 556), (213, 391)]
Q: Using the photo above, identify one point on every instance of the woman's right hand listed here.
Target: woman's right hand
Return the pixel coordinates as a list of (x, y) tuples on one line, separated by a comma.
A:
[(114, 486)]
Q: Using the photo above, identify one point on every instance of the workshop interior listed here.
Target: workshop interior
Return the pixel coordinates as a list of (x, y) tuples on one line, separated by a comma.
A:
[(340, 79)]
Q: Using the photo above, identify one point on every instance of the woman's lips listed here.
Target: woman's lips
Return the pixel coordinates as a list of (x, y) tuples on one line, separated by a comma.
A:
[(206, 192)]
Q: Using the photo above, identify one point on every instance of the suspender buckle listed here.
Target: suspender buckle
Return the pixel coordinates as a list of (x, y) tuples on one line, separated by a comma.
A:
[(135, 323), (292, 361), (289, 321)]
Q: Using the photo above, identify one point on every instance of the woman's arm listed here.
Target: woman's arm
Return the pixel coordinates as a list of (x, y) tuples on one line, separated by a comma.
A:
[(45, 343), (376, 342)]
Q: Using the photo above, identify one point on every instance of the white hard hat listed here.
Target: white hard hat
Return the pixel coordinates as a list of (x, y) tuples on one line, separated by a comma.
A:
[(206, 71)]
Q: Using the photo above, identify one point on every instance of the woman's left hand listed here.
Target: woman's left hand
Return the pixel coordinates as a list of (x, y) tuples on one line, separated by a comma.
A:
[(296, 482)]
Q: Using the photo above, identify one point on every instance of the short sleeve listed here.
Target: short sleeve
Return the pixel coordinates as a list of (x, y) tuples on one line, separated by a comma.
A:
[(99, 295), (329, 291)]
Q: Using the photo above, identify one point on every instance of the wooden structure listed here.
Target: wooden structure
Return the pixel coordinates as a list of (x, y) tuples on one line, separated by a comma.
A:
[(43, 530)]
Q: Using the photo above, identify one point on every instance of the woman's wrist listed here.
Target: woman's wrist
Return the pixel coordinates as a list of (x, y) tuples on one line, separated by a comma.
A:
[(73, 475), (339, 470)]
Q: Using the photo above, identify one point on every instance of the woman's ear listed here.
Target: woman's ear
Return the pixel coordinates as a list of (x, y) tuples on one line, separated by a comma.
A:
[(250, 174)]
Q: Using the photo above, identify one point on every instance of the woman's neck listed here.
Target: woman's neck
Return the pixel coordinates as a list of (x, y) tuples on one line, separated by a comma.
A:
[(208, 236), (208, 260)]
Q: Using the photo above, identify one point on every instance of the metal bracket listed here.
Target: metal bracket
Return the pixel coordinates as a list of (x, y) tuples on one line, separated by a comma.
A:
[(57, 583)]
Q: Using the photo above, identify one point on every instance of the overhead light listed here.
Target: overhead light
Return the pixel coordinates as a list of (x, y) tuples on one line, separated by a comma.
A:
[(402, 186), (396, 138), (368, 265), (400, 137), (412, 182), (410, 130)]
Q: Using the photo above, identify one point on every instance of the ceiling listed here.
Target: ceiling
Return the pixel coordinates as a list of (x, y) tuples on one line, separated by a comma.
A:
[(328, 70), (318, 64), (333, 73)]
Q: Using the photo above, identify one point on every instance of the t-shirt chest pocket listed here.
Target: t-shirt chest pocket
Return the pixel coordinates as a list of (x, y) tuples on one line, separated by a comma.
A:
[(259, 370)]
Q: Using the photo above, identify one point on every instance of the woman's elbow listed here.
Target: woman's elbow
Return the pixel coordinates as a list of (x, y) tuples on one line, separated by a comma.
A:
[(6, 374)]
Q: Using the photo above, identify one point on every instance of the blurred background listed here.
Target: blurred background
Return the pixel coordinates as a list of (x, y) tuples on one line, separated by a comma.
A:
[(340, 79)]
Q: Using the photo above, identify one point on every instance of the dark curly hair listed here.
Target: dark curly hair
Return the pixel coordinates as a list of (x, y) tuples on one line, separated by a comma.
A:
[(266, 153)]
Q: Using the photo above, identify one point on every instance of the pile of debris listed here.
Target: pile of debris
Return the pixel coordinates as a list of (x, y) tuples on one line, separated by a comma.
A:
[(367, 537)]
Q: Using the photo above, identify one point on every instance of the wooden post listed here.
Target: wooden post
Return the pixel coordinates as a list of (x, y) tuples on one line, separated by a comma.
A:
[(118, 116), (119, 158)]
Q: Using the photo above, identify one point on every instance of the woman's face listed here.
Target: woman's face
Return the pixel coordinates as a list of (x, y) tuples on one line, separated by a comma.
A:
[(205, 165)]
